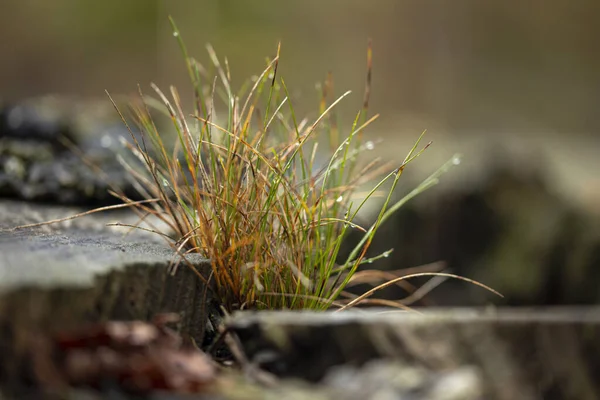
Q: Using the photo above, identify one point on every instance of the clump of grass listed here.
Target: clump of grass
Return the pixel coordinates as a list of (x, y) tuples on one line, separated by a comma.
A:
[(242, 186)]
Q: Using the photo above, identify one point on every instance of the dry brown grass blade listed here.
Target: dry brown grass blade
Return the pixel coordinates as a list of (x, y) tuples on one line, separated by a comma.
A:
[(115, 191), (369, 276), (190, 148), (180, 246), (163, 197), (415, 293), (367, 95), (141, 207), (252, 149), (272, 65), (393, 281), (328, 221), (312, 128), (65, 141), (83, 214), (154, 231), (383, 303), (423, 290), (373, 277), (182, 259)]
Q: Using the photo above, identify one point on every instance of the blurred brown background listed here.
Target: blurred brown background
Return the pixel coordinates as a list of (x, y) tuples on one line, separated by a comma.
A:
[(519, 81)]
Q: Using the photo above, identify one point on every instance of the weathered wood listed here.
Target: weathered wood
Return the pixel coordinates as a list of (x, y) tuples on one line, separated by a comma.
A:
[(519, 354), (57, 277)]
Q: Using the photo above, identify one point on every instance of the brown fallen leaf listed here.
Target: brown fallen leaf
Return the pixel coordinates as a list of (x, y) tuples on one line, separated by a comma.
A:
[(137, 356)]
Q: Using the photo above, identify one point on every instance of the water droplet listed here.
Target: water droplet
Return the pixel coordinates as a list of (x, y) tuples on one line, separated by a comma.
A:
[(339, 199), (106, 141), (369, 145), (175, 34), (386, 254), (456, 160)]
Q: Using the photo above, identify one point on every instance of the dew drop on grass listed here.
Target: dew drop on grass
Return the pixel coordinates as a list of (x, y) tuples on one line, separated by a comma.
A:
[(339, 199), (369, 145), (456, 160), (175, 34)]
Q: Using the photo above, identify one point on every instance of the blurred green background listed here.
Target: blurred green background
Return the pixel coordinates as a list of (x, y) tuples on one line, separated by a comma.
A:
[(502, 72), (463, 65), (503, 82)]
